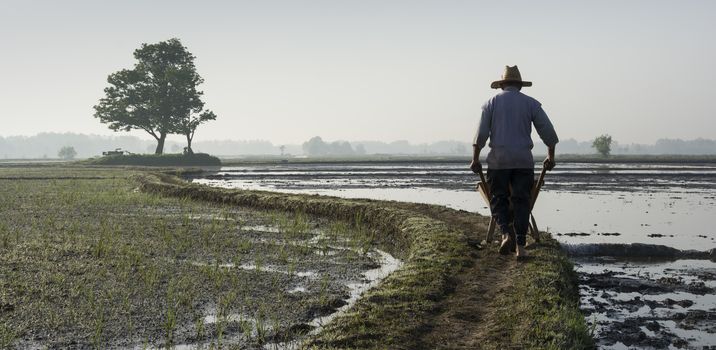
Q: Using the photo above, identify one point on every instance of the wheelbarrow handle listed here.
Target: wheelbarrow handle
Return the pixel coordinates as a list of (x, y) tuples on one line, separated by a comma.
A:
[(482, 186), (538, 187), (482, 176), (540, 182)]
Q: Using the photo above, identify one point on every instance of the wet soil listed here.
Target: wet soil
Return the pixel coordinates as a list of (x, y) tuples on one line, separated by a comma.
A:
[(651, 309)]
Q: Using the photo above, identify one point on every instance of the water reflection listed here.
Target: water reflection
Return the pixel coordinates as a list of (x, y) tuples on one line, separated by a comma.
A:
[(667, 204)]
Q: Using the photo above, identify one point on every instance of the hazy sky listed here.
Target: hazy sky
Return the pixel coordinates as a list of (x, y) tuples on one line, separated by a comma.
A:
[(285, 71)]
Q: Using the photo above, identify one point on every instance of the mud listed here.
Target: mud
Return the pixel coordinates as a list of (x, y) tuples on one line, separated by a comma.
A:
[(637, 251), (650, 305)]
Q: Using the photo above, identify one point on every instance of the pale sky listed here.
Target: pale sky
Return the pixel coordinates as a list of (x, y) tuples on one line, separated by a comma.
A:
[(285, 71)]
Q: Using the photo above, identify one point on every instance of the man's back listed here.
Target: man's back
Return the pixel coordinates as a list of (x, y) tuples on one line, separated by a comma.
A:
[(507, 120)]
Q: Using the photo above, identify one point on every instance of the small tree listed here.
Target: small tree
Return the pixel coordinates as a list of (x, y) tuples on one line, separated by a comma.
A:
[(188, 125), (67, 152), (603, 145)]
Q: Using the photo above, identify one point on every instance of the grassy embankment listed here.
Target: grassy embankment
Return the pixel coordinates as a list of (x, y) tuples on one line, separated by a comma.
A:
[(540, 308), (170, 159), (395, 314)]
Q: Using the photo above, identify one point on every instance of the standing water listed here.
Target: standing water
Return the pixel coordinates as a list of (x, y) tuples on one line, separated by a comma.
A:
[(648, 303)]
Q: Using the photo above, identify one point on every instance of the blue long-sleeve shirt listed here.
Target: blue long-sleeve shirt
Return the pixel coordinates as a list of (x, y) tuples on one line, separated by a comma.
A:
[(507, 120)]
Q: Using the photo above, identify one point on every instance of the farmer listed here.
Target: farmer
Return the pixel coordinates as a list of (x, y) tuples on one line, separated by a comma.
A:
[(507, 120)]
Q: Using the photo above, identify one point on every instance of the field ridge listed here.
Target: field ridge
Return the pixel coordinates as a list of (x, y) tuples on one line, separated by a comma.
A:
[(449, 293)]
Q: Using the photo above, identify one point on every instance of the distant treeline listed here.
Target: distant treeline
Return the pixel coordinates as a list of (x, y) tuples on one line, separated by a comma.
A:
[(46, 145), (662, 146), (317, 147)]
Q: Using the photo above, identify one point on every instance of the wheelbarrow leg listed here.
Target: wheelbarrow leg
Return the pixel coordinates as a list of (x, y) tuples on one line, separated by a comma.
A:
[(491, 231), (485, 192), (534, 229), (535, 192)]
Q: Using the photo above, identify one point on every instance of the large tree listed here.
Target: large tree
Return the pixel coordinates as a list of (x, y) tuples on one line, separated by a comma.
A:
[(159, 95)]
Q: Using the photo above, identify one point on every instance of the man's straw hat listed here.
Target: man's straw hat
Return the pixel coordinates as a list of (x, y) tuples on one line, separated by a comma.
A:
[(511, 75)]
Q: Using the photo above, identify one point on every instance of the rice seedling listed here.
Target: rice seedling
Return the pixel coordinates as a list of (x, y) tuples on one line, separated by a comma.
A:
[(258, 263), (7, 335), (4, 236), (323, 291), (261, 327), (282, 254), (100, 247), (170, 315), (324, 248), (220, 327), (98, 325), (246, 328), (243, 245), (150, 275), (291, 268), (199, 326), (126, 306)]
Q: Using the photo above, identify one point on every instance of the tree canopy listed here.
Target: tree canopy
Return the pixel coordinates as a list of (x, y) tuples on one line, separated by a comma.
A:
[(317, 147), (603, 144), (67, 152), (159, 95)]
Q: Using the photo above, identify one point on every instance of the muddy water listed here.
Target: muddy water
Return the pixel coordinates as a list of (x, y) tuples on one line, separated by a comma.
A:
[(666, 204)]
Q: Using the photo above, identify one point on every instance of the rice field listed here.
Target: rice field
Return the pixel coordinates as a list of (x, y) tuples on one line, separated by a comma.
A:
[(88, 261)]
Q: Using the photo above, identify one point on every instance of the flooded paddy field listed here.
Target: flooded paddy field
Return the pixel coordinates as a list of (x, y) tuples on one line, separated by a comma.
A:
[(87, 261), (582, 205)]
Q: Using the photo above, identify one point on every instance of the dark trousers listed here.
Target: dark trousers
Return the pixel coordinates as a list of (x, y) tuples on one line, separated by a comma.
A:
[(511, 188)]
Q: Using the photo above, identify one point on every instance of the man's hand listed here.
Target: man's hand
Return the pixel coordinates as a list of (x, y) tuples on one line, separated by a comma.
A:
[(476, 166), (549, 163)]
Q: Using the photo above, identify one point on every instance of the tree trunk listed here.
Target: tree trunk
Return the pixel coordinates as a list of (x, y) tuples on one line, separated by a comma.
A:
[(160, 143), (188, 145)]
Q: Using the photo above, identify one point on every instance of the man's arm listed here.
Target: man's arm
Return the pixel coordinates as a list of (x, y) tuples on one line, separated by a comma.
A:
[(549, 163), (475, 165), (480, 139), (546, 132)]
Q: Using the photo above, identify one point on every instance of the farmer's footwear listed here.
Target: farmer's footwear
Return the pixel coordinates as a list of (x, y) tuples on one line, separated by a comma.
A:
[(521, 252), (507, 245)]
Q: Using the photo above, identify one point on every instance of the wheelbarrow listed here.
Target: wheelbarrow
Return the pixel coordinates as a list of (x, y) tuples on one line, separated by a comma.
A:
[(485, 192)]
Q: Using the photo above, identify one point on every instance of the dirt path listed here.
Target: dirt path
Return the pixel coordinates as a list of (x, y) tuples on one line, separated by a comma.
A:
[(466, 318)]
